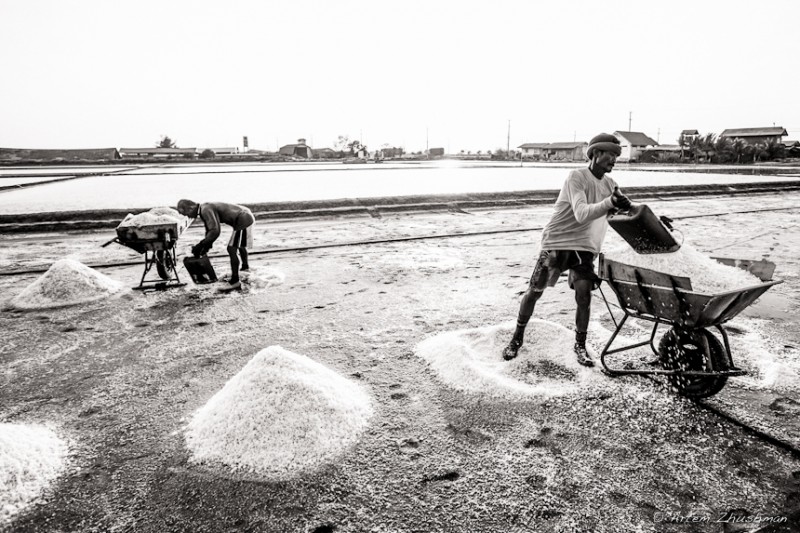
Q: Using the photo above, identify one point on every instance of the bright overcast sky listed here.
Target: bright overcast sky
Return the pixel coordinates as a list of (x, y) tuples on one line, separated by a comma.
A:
[(91, 74)]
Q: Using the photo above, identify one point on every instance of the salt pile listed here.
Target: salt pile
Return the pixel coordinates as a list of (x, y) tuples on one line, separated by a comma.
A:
[(30, 458), (156, 216), (471, 360), (260, 278), (281, 414), (707, 275), (66, 282)]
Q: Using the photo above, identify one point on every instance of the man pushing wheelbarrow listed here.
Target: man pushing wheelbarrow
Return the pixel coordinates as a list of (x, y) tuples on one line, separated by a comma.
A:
[(213, 214)]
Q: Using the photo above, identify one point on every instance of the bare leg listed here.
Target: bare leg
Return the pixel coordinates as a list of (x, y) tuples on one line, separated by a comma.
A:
[(234, 264), (245, 261), (583, 297), (526, 307)]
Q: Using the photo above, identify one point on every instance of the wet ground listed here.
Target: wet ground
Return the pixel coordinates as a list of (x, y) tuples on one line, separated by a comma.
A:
[(120, 378)]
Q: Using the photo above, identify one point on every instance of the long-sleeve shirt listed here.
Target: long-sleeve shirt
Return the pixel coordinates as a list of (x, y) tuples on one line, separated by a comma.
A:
[(579, 215)]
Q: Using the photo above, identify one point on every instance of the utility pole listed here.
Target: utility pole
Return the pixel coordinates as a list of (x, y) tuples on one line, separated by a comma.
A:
[(630, 113), (426, 139), (508, 141), (658, 136)]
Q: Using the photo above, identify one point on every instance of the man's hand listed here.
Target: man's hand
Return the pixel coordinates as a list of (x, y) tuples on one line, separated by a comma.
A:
[(198, 249), (619, 200)]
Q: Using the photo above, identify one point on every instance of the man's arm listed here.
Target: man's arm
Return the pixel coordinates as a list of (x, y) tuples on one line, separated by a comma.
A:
[(584, 210), (211, 220)]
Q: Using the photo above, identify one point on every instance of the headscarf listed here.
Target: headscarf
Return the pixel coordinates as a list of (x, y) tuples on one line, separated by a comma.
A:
[(606, 142)]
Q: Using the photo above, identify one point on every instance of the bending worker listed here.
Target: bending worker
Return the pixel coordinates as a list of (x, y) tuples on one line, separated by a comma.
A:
[(240, 218), (573, 238)]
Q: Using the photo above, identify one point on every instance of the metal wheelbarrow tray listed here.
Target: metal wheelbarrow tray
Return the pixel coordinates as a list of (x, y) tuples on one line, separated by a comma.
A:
[(157, 242), (693, 359)]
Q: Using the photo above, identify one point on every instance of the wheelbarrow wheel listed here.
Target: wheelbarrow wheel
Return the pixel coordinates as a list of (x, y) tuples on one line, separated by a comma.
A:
[(164, 264), (682, 349)]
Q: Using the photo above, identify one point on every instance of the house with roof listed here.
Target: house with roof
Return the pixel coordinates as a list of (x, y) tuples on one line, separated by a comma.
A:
[(632, 144), (301, 149), (566, 151), (755, 135), (532, 150), (158, 153), (46, 154)]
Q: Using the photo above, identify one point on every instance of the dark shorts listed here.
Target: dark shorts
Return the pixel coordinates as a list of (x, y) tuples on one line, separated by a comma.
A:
[(552, 263)]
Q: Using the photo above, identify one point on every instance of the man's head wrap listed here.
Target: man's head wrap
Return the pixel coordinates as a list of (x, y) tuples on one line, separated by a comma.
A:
[(604, 141)]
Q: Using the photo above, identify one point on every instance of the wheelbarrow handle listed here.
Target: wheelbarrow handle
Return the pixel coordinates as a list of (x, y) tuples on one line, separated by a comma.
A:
[(115, 239)]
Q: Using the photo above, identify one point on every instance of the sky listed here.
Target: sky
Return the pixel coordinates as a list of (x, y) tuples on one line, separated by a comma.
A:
[(462, 75)]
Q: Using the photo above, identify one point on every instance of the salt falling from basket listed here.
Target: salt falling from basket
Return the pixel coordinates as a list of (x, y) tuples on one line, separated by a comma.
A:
[(706, 274)]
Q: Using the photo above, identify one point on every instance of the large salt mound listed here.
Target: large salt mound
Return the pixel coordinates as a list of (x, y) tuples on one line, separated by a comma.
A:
[(30, 458), (707, 275), (471, 360), (66, 282), (281, 414)]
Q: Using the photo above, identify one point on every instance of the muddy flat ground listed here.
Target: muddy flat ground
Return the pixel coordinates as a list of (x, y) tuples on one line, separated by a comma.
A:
[(120, 378)]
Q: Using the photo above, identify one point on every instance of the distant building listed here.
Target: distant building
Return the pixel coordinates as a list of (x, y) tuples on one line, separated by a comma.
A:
[(158, 153), (436, 152), (225, 152), (324, 153), (755, 135), (301, 149), (532, 150), (566, 151), (558, 151), (389, 152), (632, 144), (35, 154)]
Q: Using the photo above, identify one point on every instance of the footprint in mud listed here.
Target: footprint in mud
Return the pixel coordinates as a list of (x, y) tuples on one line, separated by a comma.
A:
[(785, 406), (141, 324), (536, 481), (469, 434), (451, 475), (201, 324), (398, 395), (67, 329), (542, 441), (408, 445)]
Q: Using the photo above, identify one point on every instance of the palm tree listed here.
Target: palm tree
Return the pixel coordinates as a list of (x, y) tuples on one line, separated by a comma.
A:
[(738, 149)]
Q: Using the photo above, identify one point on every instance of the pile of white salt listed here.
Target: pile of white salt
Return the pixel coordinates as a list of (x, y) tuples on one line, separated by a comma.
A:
[(471, 360), (281, 414), (66, 282), (155, 216), (31, 457), (707, 275)]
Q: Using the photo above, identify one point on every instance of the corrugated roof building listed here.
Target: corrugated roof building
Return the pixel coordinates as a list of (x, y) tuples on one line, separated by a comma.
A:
[(755, 135), (632, 144)]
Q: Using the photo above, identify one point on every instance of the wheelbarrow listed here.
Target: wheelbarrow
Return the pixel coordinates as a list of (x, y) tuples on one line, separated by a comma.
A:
[(157, 243), (692, 358)]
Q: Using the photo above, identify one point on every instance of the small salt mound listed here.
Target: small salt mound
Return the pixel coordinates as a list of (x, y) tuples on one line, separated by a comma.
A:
[(282, 413), (471, 360), (260, 278), (30, 458), (707, 275), (66, 282)]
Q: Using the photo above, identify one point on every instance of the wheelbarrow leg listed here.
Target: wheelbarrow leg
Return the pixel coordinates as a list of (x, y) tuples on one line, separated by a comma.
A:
[(610, 341)]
